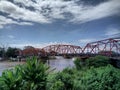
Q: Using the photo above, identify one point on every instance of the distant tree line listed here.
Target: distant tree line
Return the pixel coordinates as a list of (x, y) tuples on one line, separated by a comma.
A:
[(9, 52), (12, 52)]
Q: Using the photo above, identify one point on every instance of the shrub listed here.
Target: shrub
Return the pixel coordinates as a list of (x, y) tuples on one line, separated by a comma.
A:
[(58, 85), (35, 74), (77, 63), (31, 76), (80, 63), (102, 78), (97, 61), (67, 79), (12, 79), (70, 71), (61, 80)]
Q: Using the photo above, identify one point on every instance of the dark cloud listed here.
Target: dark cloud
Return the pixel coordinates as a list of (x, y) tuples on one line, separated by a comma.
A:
[(92, 2)]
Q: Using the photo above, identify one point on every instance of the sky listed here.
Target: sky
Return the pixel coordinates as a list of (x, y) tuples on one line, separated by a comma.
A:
[(40, 23)]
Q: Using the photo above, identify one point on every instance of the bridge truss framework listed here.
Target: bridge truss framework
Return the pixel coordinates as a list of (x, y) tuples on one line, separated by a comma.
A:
[(105, 47)]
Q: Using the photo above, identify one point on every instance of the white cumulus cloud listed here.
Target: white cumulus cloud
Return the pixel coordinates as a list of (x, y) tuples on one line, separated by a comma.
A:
[(5, 20)]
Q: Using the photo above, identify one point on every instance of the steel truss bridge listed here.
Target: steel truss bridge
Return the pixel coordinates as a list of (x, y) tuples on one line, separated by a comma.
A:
[(105, 47)]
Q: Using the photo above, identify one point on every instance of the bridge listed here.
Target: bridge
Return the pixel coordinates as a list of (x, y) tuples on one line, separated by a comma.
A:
[(63, 49), (105, 47)]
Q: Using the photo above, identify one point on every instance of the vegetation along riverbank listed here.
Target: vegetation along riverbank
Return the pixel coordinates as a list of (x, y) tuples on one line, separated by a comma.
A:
[(95, 73)]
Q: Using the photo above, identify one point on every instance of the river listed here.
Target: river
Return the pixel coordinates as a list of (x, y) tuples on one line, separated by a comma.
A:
[(58, 64)]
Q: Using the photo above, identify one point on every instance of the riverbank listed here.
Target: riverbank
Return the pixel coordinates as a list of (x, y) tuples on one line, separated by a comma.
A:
[(8, 64)]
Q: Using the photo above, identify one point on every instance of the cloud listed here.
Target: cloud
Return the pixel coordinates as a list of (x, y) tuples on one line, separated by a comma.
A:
[(5, 21), (90, 13), (37, 45), (85, 41), (11, 36), (47, 11), (17, 12), (112, 32), (1, 26)]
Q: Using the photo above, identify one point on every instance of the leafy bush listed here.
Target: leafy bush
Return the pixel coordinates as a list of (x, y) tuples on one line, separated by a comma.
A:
[(80, 63), (12, 79), (77, 63), (68, 70), (97, 61), (66, 78), (35, 74), (102, 78), (58, 85), (31, 76), (61, 80)]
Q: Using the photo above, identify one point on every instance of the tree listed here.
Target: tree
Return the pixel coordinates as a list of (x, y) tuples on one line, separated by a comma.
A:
[(30, 51), (1, 52), (11, 52)]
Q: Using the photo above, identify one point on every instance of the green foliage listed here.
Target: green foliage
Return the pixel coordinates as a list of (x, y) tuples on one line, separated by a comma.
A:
[(30, 76), (11, 52), (12, 79), (1, 52), (97, 61), (70, 71), (102, 78), (66, 78), (79, 63), (57, 85), (35, 74), (61, 80)]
